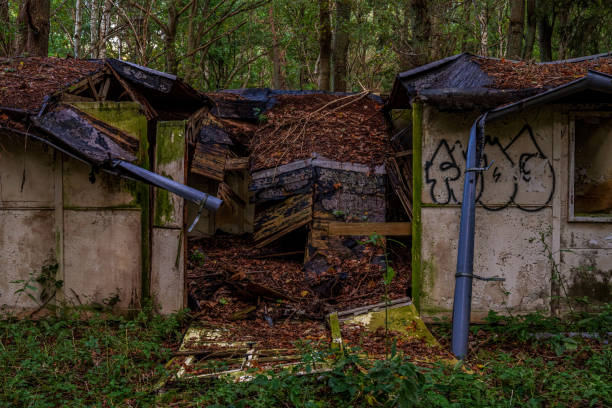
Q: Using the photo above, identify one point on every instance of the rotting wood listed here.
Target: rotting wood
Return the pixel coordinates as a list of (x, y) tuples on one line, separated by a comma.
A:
[(368, 228), (279, 254), (92, 88), (403, 153), (230, 198), (283, 218), (104, 89), (237, 163), (209, 160), (400, 185)]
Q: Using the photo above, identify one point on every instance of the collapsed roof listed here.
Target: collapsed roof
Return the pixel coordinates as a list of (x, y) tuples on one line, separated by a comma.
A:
[(280, 127), (466, 81), (35, 97)]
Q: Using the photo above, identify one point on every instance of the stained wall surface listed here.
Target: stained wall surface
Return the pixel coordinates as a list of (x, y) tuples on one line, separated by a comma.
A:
[(52, 214), (522, 226)]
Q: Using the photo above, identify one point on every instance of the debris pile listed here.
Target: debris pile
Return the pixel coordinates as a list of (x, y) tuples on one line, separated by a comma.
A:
[(526, 74), (232, 275), (342, 128)]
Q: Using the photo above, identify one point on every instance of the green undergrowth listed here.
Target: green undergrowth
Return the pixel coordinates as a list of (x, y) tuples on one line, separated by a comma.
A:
[(113, 361)]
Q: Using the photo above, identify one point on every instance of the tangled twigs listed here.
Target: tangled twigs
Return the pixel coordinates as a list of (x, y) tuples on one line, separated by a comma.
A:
[(337, 127)]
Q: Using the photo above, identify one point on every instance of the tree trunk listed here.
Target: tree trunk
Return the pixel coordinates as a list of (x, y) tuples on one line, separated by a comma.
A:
[(278, 80), (545, 23), (531, 29), (325, 43), (482, 15), (341, 44), (78, 28), (421, 31), (33, 23), (94, 27), (170, 39), (6, 39), (563, 28), (515, 29), (105, 21)]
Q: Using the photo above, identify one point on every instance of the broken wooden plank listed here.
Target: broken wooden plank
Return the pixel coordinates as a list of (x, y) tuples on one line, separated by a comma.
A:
[(230, 198), (149, 111), (369, 228), (403, 153), (209, 160), (273, 223), (237, 163)]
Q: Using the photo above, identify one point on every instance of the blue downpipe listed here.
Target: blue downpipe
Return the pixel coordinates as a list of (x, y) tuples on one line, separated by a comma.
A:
[(462, 303)]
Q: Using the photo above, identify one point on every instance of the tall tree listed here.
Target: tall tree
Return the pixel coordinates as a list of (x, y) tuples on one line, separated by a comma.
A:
[(421, 31), (545, 25), (325, 46), (278, 80), (34, 26), (515, 29), (341, 44), (6, 38), (530, 29), (78, 28)]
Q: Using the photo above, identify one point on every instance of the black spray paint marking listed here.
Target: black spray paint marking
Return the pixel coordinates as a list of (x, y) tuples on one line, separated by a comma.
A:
[(516, 174)]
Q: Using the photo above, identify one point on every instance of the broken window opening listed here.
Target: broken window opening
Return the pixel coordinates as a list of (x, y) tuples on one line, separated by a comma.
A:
[(590, 197)]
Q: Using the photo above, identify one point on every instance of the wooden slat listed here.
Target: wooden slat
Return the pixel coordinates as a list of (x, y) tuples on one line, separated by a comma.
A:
[(368, 228), (209, 161), (237, 163), (283, 218), (403, 153)]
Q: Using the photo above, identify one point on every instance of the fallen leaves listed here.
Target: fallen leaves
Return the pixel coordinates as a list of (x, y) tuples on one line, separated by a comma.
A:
[(526, 74)]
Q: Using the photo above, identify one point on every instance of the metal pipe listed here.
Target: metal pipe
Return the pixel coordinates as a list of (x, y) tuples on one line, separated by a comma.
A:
[(462, 302), (195, 196)]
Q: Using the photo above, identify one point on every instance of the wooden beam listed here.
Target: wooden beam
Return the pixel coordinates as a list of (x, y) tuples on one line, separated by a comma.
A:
[(104, 89), (403, 153), (94, 91), (337, 228)]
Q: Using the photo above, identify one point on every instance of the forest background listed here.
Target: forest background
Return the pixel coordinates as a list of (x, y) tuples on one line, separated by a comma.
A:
[(339, 45)]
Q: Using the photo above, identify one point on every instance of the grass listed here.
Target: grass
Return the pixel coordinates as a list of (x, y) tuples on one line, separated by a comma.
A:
[(112, 361)]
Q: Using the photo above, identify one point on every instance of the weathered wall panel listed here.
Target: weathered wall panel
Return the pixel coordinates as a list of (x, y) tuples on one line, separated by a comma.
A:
[(167, 271), (506, 245), (107, 191), (102, 256), (26, 172), (168, 242), (26, 245)]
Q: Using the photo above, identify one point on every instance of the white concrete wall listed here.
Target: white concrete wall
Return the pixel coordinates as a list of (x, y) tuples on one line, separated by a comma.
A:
[(522, 211)]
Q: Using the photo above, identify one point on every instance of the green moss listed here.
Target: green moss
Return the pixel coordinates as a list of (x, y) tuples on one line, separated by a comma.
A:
[(164, 209), (417, 185), (403, 319), (170, 142)]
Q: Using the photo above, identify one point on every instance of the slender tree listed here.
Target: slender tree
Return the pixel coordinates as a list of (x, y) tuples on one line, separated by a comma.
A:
[(278, 80), (421, 31), (6, 37), (341, 44), (325, 46), (530, 29), (515, 29), (78, 28)]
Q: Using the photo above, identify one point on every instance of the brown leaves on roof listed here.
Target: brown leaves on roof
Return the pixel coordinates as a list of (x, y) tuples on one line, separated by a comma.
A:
[(522, 74), (24, 82), (342, 128)]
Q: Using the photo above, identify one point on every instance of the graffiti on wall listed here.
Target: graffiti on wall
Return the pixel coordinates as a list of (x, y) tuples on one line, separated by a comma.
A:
[(520, 174)]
